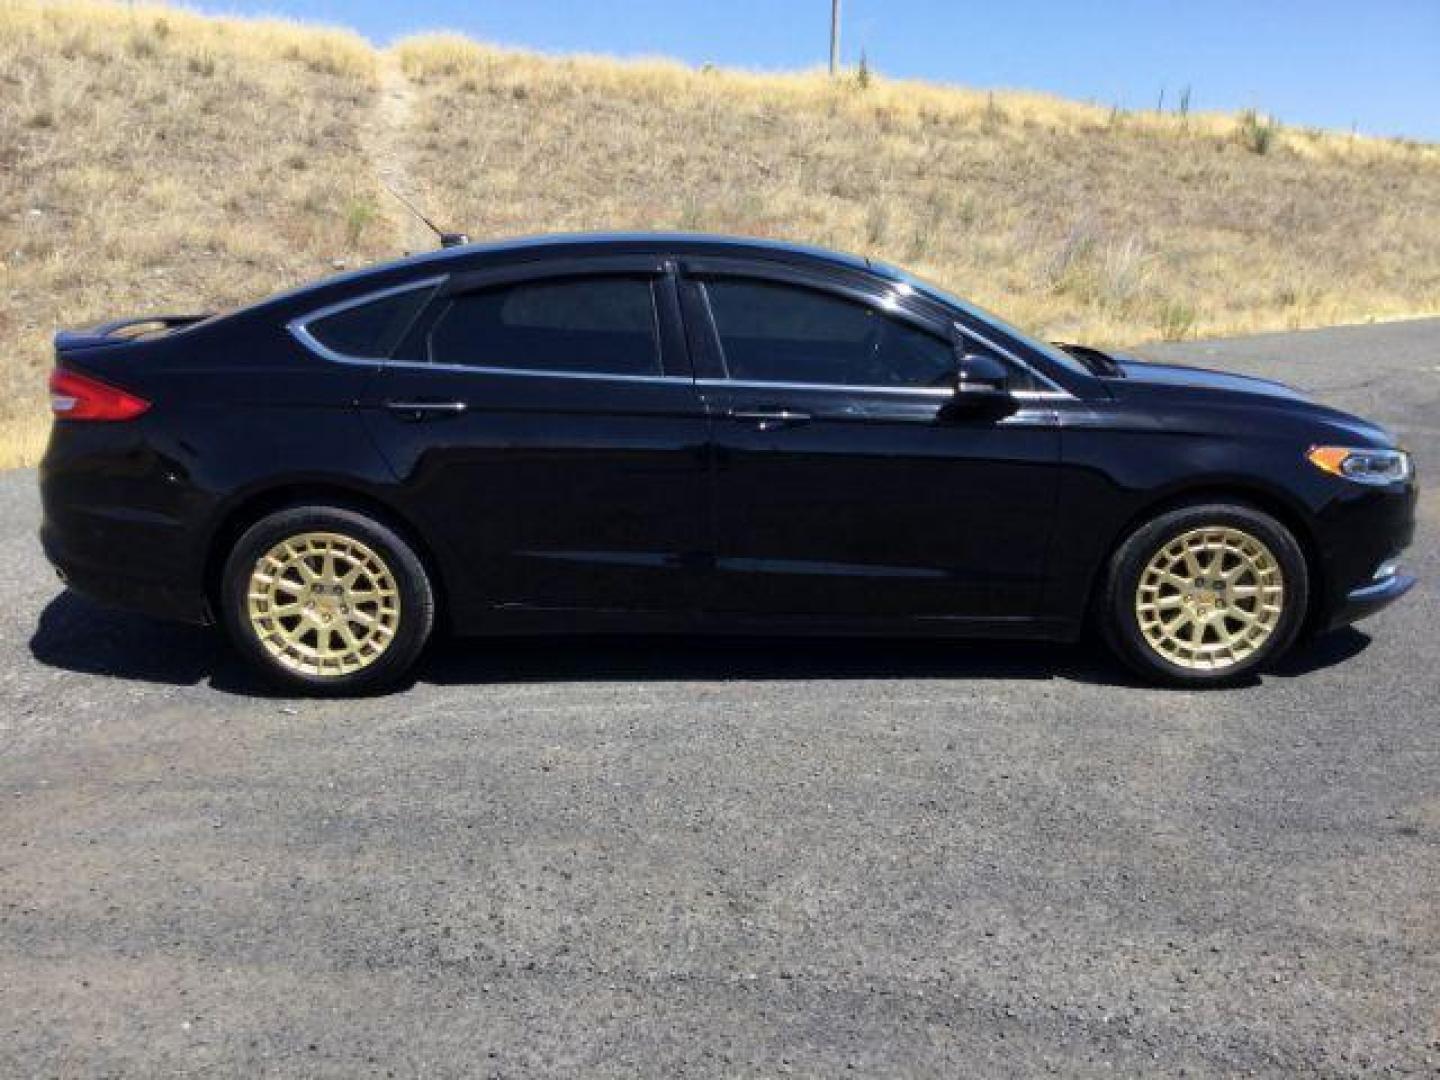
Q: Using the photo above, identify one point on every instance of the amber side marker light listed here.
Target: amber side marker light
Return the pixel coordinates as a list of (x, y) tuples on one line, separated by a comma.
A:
[(1364, 465), (81, 397)]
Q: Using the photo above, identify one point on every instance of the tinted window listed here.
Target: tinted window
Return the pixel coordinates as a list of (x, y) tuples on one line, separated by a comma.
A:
[(370, 330), (603, 325), (783, 333)]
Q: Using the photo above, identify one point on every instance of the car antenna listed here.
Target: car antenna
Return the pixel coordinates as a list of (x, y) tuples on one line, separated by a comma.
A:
[(447, 239)]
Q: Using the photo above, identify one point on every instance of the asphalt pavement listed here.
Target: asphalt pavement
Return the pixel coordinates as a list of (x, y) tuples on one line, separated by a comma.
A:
[(733, 858)]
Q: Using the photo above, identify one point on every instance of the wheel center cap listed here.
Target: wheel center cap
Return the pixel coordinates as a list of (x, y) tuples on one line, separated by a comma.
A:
[(1204, 603), (327, 601)]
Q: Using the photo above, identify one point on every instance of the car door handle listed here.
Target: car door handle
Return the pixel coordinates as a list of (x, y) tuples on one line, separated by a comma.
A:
[(417, 411), (769, 419)]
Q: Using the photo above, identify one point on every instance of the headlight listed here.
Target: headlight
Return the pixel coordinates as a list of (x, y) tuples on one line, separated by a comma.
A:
[(1363, 465)]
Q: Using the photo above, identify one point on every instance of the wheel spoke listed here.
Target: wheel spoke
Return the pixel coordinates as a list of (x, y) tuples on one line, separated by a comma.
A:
[(1163, 603), (1192, 563), (348, 635), (1236, 572), (1172, 628), (1249, 618), (1165, 577), (1216, 560)]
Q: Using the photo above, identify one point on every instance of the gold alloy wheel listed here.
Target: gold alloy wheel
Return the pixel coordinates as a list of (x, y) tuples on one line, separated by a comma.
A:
[(1210, 598), (323, 604)]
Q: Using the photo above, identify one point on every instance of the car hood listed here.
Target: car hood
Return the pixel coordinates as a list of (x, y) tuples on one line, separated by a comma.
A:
[(1201, 387), (1144, 373)]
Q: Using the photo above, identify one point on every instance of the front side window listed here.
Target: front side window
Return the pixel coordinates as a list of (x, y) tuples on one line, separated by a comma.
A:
[(789, 334), (370, 329), (1053, 353), (600, 325)]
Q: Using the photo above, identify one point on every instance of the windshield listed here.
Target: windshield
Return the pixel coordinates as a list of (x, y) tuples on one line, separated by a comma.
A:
[(919, 284)]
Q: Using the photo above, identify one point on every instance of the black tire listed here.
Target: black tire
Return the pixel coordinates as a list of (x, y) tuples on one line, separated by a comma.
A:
[(416, 599), (1117, 608)]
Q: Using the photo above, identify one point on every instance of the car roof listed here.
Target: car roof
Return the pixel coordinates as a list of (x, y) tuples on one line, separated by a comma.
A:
[(680, 243), (559, 245)]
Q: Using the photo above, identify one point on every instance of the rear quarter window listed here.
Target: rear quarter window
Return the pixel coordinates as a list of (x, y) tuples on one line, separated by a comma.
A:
[(370, 329)]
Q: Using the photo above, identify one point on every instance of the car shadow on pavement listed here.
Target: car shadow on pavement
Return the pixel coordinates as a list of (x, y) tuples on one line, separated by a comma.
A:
[(725, 658), (76, 635), (1322, 652)]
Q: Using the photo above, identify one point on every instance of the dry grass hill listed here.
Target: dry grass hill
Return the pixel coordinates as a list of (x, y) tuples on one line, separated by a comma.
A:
[(152, 159)]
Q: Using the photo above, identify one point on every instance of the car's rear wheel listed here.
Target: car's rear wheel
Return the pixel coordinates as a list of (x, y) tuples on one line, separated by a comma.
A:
[(326, 600), (1205, 594)]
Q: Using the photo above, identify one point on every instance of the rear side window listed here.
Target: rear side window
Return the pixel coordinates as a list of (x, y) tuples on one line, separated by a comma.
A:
[(370, 330), (785, 333), (589, 325)]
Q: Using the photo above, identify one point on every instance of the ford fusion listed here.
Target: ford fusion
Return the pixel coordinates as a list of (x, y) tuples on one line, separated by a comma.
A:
[(684, 433)]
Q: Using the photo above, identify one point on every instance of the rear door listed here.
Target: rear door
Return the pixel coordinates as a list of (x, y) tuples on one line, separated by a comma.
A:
[(546, 425), (846, 482)]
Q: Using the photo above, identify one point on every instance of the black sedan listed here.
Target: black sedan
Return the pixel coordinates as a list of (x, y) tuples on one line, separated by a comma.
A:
[(679, 433)]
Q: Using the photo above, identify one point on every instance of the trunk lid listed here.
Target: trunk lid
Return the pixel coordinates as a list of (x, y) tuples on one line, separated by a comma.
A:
[(123, 331)]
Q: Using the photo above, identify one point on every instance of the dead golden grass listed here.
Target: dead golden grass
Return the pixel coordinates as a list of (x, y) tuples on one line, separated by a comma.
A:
[(1075, 220), (154, 159)]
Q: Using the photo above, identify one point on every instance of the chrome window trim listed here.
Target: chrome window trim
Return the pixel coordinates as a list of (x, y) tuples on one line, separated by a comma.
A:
[(540, 373), (760, 384), (1056, 390), (1042, 395), (919, 391), (299, 327)]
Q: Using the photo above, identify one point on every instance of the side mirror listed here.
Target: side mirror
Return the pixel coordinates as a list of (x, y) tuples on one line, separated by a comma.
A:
[(980, 376)]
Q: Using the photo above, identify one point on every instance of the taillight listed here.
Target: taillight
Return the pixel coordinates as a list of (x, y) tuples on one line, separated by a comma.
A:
[(81, 397)]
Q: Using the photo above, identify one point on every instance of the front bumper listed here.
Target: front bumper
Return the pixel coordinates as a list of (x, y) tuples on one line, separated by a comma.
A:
[(1361, 536), (1368, 599)]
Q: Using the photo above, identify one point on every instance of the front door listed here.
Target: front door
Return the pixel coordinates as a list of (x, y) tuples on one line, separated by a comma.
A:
[(847, 483), (546, 425)]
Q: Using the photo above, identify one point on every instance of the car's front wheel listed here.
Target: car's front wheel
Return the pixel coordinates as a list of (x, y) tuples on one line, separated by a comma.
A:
[(1205, 594), (323, 599)]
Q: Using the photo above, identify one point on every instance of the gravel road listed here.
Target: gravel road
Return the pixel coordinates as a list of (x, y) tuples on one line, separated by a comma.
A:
[(732, 858)]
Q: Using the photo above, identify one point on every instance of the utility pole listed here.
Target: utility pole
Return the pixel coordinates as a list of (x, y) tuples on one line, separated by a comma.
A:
[(834, 37)]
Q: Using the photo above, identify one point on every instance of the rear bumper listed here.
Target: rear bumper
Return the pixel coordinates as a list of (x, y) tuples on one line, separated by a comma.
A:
[(109, 581), (119, 524)]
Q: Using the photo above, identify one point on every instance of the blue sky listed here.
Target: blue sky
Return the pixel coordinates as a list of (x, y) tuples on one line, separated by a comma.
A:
[(1372, 63)]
